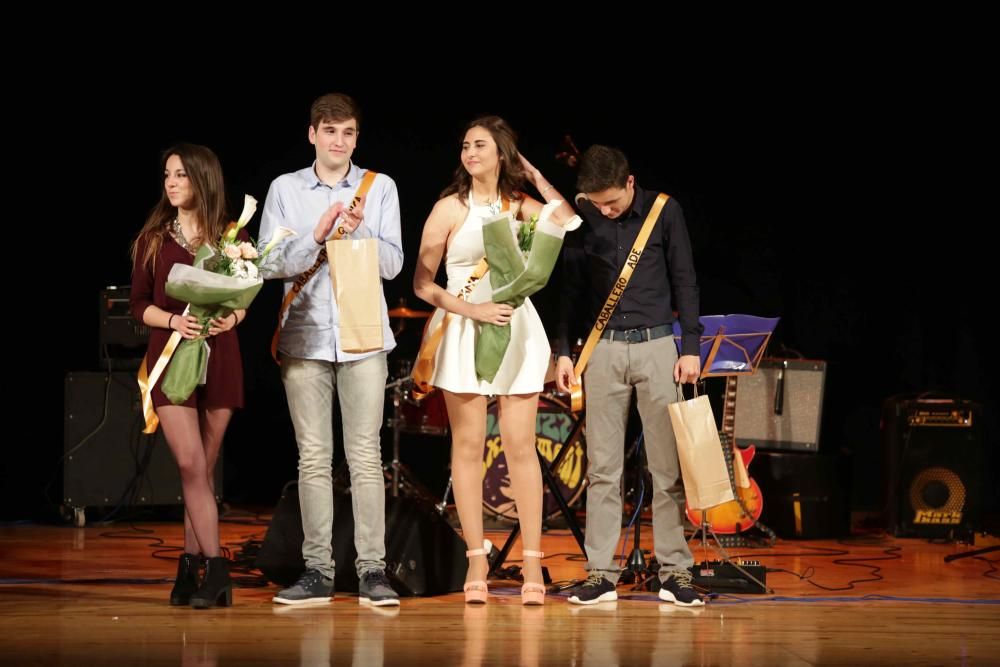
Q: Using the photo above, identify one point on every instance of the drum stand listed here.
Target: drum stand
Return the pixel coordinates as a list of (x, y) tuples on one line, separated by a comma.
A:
[(549, 480), (400, 476)]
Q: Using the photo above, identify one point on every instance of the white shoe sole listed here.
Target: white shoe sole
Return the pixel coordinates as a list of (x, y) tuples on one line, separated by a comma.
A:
[(667, 596), (391, 602), (610, 596), (316, 601)]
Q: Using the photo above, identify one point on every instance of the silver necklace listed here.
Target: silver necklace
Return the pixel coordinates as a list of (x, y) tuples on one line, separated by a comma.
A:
[(494, 206), (178, 234)]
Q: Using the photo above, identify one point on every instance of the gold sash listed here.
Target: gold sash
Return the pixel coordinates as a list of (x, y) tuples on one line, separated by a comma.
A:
[(148, 380), (604, 316), (300, 282), (423, 366)]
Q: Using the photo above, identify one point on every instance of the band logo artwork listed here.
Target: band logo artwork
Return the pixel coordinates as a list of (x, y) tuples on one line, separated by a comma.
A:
[(554, 425)]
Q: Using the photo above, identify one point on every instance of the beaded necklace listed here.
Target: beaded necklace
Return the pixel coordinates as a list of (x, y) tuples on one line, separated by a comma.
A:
[(178, 234)]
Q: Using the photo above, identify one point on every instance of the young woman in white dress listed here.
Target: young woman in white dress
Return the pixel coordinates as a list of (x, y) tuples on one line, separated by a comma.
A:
[(488, 182)]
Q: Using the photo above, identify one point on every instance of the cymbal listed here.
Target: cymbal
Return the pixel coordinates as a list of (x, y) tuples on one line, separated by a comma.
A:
[(409, 313)]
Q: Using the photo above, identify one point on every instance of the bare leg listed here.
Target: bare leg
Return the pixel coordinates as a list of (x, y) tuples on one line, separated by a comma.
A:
[(517, 432), (183, 433), (213, 427), (467, 414)]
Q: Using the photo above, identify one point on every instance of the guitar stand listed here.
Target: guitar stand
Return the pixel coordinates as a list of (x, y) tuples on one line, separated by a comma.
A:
[(974, 552), (549, 480), (705, 529)]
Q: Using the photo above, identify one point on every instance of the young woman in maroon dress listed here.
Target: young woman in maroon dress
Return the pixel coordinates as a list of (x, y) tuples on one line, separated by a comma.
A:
[(191, 211)]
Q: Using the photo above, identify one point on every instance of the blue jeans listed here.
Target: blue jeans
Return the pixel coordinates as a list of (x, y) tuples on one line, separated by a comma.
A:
[(310, 386)]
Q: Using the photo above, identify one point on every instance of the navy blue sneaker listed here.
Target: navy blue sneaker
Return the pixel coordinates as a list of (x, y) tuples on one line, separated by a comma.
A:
[(677, 588), (374, 590), (595, 589)]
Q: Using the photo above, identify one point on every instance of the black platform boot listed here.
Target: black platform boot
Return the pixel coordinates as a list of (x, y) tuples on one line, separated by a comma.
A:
[(216, 588), (186, 582)]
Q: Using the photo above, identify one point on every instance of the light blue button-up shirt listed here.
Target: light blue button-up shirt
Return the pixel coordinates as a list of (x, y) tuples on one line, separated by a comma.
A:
[(297, 200)]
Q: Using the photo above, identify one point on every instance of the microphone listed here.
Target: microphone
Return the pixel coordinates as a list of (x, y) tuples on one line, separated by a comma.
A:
[(779, 391)]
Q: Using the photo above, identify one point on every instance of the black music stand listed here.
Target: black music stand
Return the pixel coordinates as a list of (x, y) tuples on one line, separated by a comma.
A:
[(730, 345)]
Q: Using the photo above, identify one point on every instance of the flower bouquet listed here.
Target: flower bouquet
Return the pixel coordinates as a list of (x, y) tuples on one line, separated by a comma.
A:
[(220, 280), (518, 268)]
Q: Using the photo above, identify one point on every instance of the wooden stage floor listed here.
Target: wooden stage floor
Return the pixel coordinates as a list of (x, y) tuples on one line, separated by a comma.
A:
[(98, 596)]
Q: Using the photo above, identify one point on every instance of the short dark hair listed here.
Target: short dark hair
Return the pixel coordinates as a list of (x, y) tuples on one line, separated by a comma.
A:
[(334, 108), (602, 167)]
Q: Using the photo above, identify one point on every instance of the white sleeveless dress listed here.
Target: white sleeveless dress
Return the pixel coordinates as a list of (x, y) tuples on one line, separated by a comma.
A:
[(523, 368)]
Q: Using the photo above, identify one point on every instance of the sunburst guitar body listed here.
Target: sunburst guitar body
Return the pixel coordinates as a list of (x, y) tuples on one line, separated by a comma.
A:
[(737, 515)]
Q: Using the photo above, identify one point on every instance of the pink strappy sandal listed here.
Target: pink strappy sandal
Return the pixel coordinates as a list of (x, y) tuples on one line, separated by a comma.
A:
[(532, 594), (475, 591)]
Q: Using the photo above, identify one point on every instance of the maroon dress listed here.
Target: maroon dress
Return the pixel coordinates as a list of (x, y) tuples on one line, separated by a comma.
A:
[(224, 385)]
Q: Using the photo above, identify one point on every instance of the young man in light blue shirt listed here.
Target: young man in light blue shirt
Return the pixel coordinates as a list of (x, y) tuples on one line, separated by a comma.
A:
[(314, 202)]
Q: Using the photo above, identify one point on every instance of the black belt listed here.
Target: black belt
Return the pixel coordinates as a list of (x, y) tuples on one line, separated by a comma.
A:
[(638, 335)]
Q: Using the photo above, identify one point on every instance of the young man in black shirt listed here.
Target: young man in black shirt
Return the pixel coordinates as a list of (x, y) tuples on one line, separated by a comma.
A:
[(636, 351)]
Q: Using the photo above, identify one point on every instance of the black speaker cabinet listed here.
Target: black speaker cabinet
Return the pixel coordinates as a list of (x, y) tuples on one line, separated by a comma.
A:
[(780, 406), (934, 457), (121, 340), (424, 554), (806, 495), (109, 460)]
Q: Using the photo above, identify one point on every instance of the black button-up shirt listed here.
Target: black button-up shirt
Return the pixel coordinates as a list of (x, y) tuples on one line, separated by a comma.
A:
[(594, 255)]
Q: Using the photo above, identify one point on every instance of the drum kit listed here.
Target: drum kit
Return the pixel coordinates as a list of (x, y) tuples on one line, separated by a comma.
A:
[(556, 429)]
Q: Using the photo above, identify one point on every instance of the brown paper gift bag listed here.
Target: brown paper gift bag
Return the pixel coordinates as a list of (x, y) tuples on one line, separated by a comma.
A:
[(357, 289), (703, 464)]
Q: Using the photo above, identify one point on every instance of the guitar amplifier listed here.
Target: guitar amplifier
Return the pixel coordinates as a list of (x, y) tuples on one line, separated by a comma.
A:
[(780, 406), (109, 460), (935, 454), (122, 340)]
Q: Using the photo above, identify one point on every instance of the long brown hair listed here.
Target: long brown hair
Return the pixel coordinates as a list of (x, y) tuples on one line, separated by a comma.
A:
[(205, 173), (511, 178)]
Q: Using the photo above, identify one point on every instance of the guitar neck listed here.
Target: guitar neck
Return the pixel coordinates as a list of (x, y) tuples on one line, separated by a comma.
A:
[(729, 408)]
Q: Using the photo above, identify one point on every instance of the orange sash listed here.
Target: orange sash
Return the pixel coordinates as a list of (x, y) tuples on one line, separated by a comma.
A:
[(423, 366), (604, 316), (300, 282)]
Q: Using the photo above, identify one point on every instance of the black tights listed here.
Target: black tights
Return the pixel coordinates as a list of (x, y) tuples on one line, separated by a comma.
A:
[(195, 438)]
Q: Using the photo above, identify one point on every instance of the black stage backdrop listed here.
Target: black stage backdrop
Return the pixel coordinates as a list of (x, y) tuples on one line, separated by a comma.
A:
[(811, 199)]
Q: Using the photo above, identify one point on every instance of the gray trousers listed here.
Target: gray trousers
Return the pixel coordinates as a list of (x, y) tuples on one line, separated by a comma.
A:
[(310, 386), (614, 369)]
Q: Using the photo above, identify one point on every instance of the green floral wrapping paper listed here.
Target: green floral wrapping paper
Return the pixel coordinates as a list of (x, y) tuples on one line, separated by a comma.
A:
[(515, 275)]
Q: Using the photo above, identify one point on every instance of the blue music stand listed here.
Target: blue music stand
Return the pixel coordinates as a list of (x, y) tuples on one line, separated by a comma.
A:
[(731, 344)]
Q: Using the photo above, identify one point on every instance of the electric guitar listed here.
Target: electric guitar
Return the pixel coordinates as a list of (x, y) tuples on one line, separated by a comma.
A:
[(742, 513)]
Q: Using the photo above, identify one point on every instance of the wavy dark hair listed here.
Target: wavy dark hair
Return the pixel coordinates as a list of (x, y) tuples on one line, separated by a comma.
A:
[(205, 173), (512, 176), (602, 167)]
